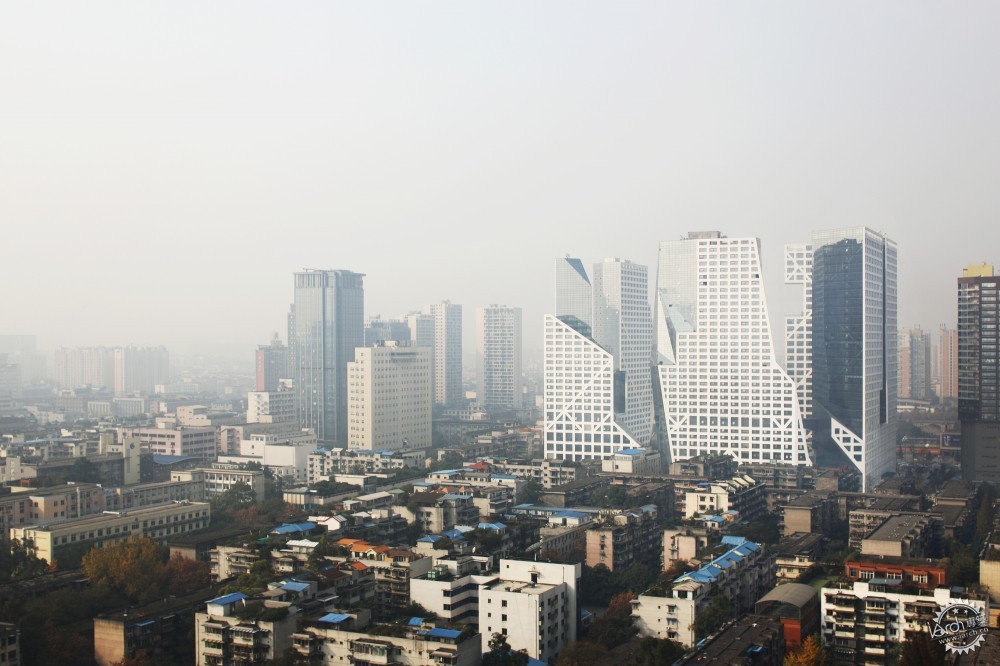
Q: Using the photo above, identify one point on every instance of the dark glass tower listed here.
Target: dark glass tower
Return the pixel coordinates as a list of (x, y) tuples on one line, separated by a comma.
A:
[(327, 326), (978, 373)]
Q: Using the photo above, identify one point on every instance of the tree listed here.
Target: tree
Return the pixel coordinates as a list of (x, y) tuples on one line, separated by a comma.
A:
[(530, 492), (582, 653), (500, 653), (920, 650), (240, 495), (185, 575), (611, 497), (810, 653), (717, 613), (656, 651), (615, 626), (595, 585), (133, 567)]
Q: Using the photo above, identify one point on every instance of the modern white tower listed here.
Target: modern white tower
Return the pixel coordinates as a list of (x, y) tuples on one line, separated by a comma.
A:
[(721, 387), (598, 387), (498, 357), (850, 321)]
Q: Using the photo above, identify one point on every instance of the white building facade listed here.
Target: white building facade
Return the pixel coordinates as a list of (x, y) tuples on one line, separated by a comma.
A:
[(389, 398), (447, 318), (598, 388), (498, 357), (722, 390)]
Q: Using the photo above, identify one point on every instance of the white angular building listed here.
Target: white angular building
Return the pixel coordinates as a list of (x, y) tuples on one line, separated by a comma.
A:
[(721, 388), (844, 345), (389, 398), (498, 357), (598, 387)]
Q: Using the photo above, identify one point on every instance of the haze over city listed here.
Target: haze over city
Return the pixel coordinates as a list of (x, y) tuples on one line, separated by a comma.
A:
[(164, 168)]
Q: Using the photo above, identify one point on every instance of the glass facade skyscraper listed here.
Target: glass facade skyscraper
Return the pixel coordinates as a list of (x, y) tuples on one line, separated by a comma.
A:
[(852, 329), (327, 325)]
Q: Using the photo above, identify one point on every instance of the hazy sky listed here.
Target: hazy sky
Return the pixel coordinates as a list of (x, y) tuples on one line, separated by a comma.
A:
[(164, 167)]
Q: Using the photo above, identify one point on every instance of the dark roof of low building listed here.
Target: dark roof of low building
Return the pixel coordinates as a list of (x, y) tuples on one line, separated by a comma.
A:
[(791, 593)]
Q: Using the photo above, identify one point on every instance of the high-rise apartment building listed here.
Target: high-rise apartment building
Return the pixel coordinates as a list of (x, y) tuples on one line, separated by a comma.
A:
[(390, 403), (327, 325), (83, 366), (447, 317), (721, 388), (498, 357), (272, 364), (948, 364), (915, 364), (140, 369), (598, 385), (850, 277), (978, 374)]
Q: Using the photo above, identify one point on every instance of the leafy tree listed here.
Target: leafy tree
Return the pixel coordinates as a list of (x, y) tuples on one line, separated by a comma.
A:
[(717, 613), (240, 495), (185, 575), (920, 650), (530, 492), (615, 626), (134, 567), (655, 652), (19, 561), (500, 653), (810, 653), (595, 585), (611, 497), (582, 653), (963, 567), (767, 530)]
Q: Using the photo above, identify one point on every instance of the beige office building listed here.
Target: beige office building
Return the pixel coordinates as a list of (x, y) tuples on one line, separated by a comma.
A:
[(389, 400)]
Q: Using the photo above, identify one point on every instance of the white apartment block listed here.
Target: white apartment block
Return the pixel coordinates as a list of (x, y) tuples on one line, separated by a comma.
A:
[(598, 388), (450, 589), (221, 477), (863, 620), (533, 604), (325, 462), (498, 357), (721, 387), (140, 369), (197, 442), (389, 402), (156, 522), (271, 407), (632, 461)]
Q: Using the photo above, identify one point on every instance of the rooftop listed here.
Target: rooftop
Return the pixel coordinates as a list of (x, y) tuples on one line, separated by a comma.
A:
[(896, 528)]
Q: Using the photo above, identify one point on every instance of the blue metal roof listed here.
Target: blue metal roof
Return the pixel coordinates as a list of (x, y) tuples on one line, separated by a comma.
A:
[(454, 535), (741, 547), (504, 476), (430, 538), (228, 599), (416, 621), (452, 496), (292, 528), (492, 526), (734, 540), (293, 586), (570, 514), (441, 633), (632, 452), (334, 618)]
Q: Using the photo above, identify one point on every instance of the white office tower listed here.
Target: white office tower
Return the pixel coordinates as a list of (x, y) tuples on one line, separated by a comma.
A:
[(447, 318), (850, 320), (798, 334), (598, 386), (721, 388), (498, 357), (389, 398)]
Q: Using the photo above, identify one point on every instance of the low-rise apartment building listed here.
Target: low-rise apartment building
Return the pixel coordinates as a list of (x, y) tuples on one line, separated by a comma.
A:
[(630, 537), (814, 511), (547, 472), (632, 461), (741, 493), (235, 630), (742, 574), (347, 638), (49, 505), (903, 536), (682, 544), (450, 589), (534, 605), (864, 620), (156, 522), (220, 477)]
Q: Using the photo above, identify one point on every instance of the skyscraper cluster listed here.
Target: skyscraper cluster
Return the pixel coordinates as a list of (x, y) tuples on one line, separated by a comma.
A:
[(719, 387)]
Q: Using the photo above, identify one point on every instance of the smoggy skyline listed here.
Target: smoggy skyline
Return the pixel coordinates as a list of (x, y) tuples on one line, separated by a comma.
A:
[(164, 168)]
